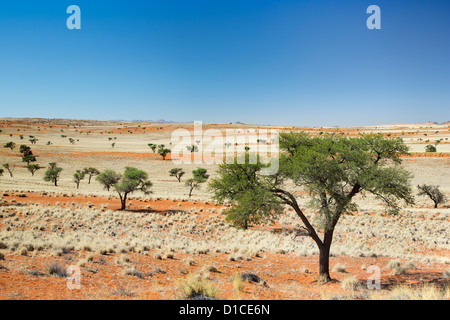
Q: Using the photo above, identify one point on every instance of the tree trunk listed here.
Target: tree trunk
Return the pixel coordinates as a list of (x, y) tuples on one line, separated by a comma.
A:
[(123, 201), (324, 256), (56, 182), (324, 263)]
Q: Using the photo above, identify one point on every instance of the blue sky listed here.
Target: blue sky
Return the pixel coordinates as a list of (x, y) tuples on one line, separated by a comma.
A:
[(299, 63)]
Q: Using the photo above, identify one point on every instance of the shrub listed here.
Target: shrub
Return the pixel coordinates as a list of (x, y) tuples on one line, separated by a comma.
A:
[(350, 283), (195, 287), (134, 272), (339, 268), (57, 269)]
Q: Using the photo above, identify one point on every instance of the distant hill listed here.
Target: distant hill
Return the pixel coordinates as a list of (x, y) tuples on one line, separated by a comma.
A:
[(446, 122), (157, 121)]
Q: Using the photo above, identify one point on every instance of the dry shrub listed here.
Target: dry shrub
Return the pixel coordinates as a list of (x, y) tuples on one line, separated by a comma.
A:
[(350, 283), (197, 288), (57, 269)]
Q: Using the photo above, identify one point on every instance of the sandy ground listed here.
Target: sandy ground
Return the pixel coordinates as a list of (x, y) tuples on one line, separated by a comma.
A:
[(166, 237)]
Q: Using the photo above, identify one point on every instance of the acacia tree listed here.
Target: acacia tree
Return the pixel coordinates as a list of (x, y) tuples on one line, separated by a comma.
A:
[(331, 169), (10, 168), (131, 181), (430, 148), (27, 154), (108, 178), (53, 172), (200, 176), (33, 168), (433, 193), (78, 176), (91, 172), (163, 152), (177, 173), (10, 145)]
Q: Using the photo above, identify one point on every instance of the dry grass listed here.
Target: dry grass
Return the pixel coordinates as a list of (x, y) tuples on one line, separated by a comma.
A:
[(196, 287)]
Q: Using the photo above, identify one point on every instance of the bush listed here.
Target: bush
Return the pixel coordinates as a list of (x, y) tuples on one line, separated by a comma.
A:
[(57, 269), (194, 287), (134, 272), (350, 283), (430, 148), (339, 268)]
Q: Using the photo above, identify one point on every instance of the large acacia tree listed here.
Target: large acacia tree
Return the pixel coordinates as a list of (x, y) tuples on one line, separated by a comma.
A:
[(332, 169)]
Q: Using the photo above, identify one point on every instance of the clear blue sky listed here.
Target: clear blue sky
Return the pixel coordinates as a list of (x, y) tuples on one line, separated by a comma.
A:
[(311, 63)]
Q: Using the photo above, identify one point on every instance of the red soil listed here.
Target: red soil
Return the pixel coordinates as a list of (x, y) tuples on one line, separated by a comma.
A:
[(287, 276)]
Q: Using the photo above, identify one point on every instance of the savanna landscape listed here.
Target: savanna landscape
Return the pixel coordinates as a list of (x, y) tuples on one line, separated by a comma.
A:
[(173, 236)]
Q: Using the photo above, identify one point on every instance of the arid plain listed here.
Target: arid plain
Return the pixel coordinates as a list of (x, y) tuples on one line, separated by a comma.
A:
[(164, 240)]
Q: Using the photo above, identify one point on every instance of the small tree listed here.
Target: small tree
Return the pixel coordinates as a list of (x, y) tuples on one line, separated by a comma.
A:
[(108, 178), (91, 172), (33, 168), (430, 148), (200, 176), (152, 146), (27, 154), (78, 176), (177, 173), (433, 193), (10, 168), (10, 145), (53, 172), (192, 148), (163, 152), (25, 150), (33, 140), (28, 159), (72, 141), (131, 181)]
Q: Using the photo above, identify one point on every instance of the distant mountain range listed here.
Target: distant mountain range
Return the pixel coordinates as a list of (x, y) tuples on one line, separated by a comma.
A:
[(434, 122), (156, 121), (168, 121)]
